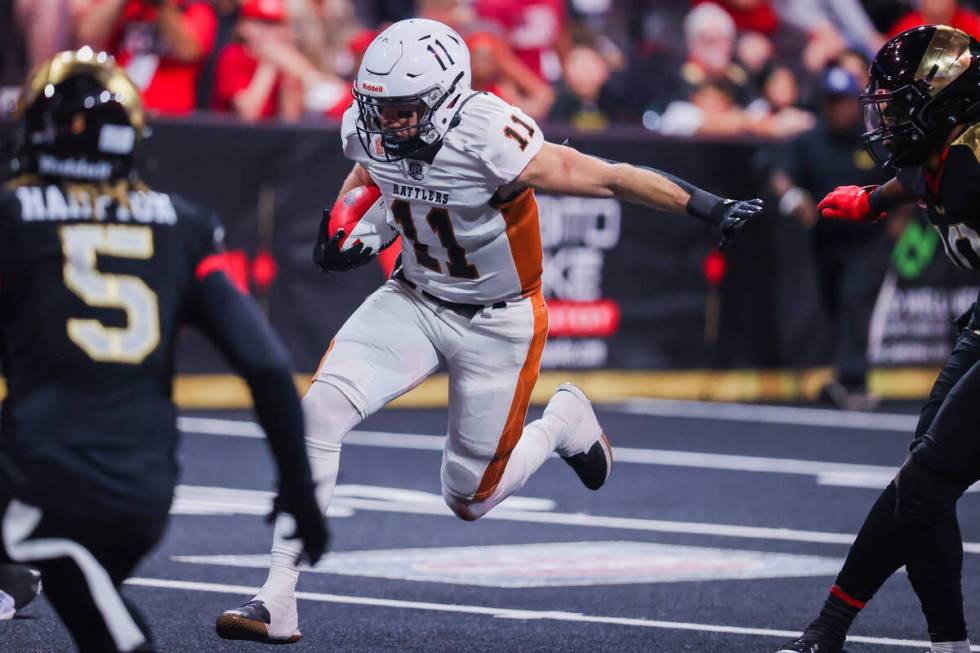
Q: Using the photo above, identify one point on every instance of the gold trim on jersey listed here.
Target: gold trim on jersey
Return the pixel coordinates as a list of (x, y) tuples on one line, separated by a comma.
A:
[(971, 139)]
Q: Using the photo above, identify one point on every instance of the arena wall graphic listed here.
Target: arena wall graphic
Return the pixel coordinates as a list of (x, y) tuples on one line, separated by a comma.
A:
[(639, 301)]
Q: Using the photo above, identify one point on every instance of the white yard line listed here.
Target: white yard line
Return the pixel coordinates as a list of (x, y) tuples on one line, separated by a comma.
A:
[(350, 498), (508, 613), (829, 473), (761, 414)]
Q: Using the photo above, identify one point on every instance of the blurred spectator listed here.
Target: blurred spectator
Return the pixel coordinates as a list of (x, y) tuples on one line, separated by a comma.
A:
[(831, 26), (753, 51), (160, 43), (749, 15), (780, 90), (262, 74), (226, 12), (13, 49), (331, 100), (46, 26), (857, 64), (939, 12), (851, 258), (578, 97), (322, 29), (497, 70), (458, 14), (532, 28), (709, 33)]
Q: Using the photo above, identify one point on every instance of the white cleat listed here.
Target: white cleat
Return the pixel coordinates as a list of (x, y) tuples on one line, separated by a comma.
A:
[(269, 619), (583, 446)]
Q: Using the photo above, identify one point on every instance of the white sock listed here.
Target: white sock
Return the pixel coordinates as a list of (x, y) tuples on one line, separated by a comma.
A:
[(329, 417), (951, 647), (537, 443)]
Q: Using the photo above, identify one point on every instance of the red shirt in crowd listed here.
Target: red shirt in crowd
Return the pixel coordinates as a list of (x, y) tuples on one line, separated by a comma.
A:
[(532, 27), (760, 18), (234, 73), (963, 19), (168, 85)]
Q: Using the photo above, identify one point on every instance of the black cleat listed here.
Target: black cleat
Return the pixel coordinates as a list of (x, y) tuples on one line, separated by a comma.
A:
[(22, 584), (809, 646), (251, 623), (593, 466)]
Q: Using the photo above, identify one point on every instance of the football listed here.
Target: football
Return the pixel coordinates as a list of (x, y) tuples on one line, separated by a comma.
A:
[(363, 215)]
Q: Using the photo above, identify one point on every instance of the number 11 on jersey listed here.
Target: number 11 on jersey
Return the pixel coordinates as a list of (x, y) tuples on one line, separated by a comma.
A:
[(441, 223)]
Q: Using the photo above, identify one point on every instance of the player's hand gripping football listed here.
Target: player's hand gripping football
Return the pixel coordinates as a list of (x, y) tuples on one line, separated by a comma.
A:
[(327, 255), (735, 214), (851, 203), (299, 500)]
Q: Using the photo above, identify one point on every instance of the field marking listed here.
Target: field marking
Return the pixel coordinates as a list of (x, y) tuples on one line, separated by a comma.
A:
[(510, 613), (825, 473), (763, 414), (350, 498)]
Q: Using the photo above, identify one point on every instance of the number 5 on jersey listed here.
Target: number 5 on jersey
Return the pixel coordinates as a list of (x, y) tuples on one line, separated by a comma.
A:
[(81, 244)]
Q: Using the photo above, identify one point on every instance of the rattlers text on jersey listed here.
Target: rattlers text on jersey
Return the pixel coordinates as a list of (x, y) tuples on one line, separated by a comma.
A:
[(460, 243)]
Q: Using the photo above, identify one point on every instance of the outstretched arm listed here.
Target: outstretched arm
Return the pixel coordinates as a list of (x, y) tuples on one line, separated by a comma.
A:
[(234, 324), (566, 171), (861, 203)]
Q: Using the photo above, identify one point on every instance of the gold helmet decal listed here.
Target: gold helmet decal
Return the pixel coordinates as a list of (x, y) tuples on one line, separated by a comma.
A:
[(99, 65), (946, 58)]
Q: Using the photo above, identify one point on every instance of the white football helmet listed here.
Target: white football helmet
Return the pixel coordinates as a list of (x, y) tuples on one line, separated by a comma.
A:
[(416, 67)]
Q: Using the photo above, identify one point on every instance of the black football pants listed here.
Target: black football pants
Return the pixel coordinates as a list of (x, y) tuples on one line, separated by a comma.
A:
[(850, 273), (914, 521), (83, 562)]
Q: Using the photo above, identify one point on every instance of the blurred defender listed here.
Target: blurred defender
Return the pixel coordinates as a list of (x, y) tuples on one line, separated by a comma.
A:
[(97, 272), (458, 170), (922, 109)]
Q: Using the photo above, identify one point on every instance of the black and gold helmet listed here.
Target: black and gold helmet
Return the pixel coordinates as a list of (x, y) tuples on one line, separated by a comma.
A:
[(79, 117), (923, 83)]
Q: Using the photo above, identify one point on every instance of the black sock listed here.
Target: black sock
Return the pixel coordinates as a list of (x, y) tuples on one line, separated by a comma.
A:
[(836, 617)]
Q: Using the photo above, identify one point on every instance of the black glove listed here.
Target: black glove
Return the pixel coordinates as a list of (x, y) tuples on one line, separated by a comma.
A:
[(299, 500), (327, 255), (734, 215)]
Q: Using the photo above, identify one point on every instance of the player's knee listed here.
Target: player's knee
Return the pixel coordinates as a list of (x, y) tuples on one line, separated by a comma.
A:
[(328, 413), (465, 509), (925, 495)]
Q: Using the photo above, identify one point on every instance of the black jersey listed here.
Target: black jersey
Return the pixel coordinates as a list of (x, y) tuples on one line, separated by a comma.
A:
[(94, 282), (952, 197)]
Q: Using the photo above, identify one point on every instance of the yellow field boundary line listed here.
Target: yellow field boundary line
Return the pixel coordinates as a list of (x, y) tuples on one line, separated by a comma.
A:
[(227, 391)]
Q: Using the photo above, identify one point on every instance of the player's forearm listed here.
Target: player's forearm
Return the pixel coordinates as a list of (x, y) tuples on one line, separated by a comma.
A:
[(358, 176), (238, 329), (889, 195), (648, 187), (94, 22), (177, 34), (250, 101)]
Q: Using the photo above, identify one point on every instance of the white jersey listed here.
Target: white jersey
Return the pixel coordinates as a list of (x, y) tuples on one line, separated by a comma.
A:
[(457, 244)]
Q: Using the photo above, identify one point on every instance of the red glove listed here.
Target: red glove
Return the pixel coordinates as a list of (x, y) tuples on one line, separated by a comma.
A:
[(848, 203)]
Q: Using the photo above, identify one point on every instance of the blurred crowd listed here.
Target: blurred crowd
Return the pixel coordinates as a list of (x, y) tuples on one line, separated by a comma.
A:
[(680, 67)]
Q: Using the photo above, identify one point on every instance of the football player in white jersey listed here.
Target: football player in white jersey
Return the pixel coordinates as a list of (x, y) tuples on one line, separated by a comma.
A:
[(458, 170)]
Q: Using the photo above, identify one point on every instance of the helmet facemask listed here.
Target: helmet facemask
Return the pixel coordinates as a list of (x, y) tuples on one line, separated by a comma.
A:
[(895, 135), (392, 128)]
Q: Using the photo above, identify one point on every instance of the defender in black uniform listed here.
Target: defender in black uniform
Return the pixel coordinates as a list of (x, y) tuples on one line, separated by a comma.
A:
[(922, 107), (97, 272)]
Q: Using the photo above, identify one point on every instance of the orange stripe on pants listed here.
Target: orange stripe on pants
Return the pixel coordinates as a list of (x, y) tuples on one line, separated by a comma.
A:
[(322, 361), (514, 425)]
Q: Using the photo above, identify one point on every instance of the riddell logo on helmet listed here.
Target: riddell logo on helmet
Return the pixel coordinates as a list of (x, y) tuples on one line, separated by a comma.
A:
[(373, 87)]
